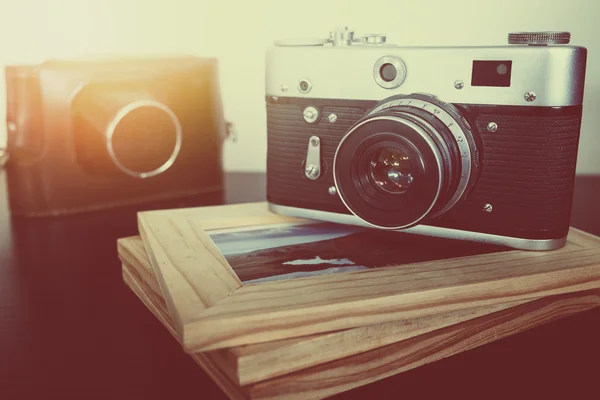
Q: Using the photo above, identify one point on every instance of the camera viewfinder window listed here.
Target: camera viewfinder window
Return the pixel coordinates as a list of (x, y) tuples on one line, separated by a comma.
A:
[(491, 73)]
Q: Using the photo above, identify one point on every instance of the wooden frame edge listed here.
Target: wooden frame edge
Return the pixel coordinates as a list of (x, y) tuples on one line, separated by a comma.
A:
[(328, 379), (196, 313), (207, 361), (179, 282), (184, 300)]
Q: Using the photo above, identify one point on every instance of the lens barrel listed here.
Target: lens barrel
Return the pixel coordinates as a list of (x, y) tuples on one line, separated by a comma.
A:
[(138, 134), (409, 159)]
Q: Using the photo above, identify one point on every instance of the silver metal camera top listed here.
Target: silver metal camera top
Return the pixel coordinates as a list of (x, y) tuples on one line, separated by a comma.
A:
[(339, 37), (539, 38), (554, 72), (346, 37), (293, 42)]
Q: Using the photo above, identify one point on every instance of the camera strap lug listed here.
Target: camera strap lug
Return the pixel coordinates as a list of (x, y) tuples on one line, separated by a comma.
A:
[(312, 169), (230, 131)]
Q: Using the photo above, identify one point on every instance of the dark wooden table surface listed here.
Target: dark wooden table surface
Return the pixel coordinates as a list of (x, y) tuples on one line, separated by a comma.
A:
[(70, 328)]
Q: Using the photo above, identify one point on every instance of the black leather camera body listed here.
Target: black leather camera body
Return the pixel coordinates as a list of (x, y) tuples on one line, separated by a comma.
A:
[(468, 143), (527, 175), (95, 134)]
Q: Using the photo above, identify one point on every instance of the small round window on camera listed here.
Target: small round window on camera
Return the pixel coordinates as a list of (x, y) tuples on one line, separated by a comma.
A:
[(304, 86), (388, 72)]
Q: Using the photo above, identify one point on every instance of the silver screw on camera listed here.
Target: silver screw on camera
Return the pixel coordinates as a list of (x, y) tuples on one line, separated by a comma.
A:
[(332, 190), (284, 88), (332, 118), (487, 208), (311, 171), (310, 114), (492, 127), (459, 84), (530, 96)]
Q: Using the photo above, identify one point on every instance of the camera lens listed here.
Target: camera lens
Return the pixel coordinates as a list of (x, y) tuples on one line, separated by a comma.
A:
[(391, 170), (408, 159)]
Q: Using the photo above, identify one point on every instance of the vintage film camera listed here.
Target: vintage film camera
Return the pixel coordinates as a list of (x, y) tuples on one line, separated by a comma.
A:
[(472, 143), (89, 135)]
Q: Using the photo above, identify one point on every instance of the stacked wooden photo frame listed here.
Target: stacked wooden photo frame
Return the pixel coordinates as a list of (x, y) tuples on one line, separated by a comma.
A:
[(275, 307)]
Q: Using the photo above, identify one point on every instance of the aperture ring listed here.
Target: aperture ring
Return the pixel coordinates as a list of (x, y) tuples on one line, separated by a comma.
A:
[(459, 133), (430, 129)]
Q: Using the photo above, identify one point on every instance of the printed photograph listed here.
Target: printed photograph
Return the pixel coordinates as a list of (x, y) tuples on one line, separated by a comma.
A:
[(289, 251)]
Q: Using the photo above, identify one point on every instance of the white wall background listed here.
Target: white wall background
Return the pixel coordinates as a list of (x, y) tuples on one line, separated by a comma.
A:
[(237, 32)]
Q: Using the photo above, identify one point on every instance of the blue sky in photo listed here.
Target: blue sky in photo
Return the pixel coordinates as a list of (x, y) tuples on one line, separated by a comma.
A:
[(230, 243)]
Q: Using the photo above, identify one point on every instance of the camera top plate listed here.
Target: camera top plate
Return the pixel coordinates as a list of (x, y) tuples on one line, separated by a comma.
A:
[(345, 37), (340, 37)]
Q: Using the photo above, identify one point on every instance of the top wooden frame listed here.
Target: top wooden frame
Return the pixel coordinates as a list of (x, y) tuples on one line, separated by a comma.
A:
[(212, 309)]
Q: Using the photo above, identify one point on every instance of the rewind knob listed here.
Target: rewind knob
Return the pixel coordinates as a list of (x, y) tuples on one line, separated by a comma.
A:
[(539, 38)]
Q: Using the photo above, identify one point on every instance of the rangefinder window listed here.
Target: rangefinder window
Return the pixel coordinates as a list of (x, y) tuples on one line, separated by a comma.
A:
[(491, 73)]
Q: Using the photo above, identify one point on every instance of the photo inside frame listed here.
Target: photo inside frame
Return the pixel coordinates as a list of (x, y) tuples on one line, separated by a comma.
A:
[(295, 250)]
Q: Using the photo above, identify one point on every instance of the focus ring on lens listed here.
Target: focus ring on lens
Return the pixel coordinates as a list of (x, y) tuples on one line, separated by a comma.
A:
[(443, 139), (455, 122)]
